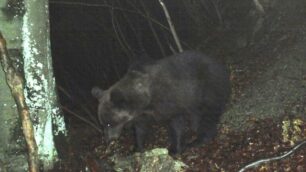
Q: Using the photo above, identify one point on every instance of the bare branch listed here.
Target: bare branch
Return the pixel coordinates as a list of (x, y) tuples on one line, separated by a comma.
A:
[(147, 13), (84, 108), (82, 118), (259, 7), (113, 8), (15, 81), (256, 163), (177, 41)]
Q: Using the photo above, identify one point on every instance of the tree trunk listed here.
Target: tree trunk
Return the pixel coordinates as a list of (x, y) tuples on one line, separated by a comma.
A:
[(40, 82), (29, 31)]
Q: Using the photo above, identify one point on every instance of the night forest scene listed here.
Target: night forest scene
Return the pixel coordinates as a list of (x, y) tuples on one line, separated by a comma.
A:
[(153, 85)]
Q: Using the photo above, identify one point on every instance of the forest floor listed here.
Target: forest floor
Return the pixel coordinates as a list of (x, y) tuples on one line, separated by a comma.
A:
[(268, 80), (229, 152)]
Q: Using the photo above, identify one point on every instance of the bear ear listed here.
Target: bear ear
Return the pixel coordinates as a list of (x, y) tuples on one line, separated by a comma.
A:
[(97, 92)]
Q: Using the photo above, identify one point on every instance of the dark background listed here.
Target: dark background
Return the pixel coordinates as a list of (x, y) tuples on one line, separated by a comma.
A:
[(94, 42)]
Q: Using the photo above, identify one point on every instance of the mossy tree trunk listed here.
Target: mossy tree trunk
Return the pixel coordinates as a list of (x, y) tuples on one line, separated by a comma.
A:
[(40, 82), (25, 25)]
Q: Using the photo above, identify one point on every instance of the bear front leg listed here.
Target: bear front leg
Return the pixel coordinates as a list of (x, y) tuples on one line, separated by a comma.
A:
[(176, 135)]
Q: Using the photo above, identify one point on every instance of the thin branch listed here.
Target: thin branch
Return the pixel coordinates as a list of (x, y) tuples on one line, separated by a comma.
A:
[(154, 21), (15, 81), (122, 35), (256, 163), (217, 10), (147, 13), (82, 118), (112, 7), (118, 36), (172, 28), (259, 7), (84, 108)]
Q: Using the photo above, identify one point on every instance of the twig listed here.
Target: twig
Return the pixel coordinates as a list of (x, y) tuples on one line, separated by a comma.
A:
[(147, 13), (112, 7), (256, 163), (176, 39), (215, 4), (119, 36), (154, 21), (82, 118), (259, 7), (84, 108), (15, 81)]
